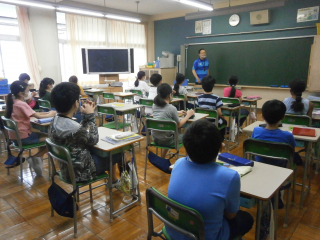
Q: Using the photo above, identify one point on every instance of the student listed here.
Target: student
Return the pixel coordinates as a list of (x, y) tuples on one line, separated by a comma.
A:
[(162, 109), (273, 112), (46, 86), (24, 77), (214, 190), (235, 93), (20, 112), (211, 101), (156, 80), (74, 79), (78, 138), (181, 90), (141, 85), (296, 104)]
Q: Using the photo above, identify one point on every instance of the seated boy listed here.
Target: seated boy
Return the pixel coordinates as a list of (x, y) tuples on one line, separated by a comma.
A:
[(213, 190), (273, 112), (78, 138), (210, 100)]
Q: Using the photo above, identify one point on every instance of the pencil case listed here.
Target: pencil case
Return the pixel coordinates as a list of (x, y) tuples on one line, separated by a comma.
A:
[(235, 160)]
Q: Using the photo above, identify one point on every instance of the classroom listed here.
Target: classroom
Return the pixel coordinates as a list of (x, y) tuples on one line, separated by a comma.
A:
[(160, 119)]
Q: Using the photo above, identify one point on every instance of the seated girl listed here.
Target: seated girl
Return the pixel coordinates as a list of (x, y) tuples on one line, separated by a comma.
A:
[(78, 138), (20, 112), (46, 86), (296, 104), (74, 79), (235, 93), (181, 90), (162, 109), (141, 85)]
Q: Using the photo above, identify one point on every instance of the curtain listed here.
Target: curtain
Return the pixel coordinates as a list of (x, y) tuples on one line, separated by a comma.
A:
[(27, 42), (86, 32)]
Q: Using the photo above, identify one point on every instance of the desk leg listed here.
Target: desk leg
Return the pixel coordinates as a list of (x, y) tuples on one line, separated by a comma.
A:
[(306, 175), (110, 188), (135, 167), (250, 120), (258, 219), (275, 213)]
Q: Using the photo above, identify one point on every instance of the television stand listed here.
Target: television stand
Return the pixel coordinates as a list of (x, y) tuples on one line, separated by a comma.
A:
[(103, 77)]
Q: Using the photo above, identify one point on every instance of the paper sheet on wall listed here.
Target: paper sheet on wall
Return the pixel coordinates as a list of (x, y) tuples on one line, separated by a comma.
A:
[(308, 14), (198, 27), (206, 26)]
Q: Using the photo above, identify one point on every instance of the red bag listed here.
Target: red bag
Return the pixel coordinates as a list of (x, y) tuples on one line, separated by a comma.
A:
[(32, 103)]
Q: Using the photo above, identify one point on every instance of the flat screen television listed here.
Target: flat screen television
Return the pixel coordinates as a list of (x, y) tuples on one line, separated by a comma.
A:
[(107, 60)]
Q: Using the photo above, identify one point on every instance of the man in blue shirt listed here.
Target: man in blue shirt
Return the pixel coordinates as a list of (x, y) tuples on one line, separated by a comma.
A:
[(213, 190), (200, 67)]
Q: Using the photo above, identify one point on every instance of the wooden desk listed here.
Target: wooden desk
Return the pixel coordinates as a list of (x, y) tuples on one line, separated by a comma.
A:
[(95, 92), (309, 140), (250, 103), (124, 95), (175, 100), (105, 149), (197, 116), (124, 109)]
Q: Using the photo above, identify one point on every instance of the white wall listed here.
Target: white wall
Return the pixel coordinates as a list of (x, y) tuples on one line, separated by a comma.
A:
[(45, 36)]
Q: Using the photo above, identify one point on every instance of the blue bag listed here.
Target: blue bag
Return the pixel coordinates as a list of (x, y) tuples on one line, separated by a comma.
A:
[(161, 163)]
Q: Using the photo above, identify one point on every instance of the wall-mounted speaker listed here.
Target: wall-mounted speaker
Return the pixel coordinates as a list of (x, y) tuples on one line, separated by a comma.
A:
[(260, 17)]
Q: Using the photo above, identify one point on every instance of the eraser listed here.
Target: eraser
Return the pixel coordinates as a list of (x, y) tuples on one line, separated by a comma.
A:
[(274, 85)]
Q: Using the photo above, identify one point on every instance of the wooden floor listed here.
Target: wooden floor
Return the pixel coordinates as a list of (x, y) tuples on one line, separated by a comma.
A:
[(25, 209)]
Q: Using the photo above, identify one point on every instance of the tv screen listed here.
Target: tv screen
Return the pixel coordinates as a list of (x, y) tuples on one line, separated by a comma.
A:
[(104, 61)]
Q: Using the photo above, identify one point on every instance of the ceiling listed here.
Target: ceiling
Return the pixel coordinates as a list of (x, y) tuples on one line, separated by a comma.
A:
[(148, 7)]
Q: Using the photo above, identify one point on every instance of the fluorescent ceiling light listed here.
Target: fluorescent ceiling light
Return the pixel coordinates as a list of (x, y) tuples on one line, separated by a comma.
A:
[(28, 4), (73, 10), (123, 18), (198, 4)]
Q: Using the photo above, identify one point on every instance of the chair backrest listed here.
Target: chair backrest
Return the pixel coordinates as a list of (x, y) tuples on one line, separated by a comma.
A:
[(213, 114), (147, 102), (302, 120), (44, 104), (230, 100), (162, 126), (316, 104), (11, 126), (181, 218), (62, 155), (108, 110), (179, 96), (108, 95), (136, 91), (268, 149)]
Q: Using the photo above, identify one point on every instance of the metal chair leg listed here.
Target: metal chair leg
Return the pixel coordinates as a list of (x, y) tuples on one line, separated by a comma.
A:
[(90, 190), (145, 164), (285, 225)]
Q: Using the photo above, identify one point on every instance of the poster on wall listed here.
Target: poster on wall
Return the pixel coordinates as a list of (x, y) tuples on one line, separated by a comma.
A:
[(308, 14), (206, 26), (198, 27)]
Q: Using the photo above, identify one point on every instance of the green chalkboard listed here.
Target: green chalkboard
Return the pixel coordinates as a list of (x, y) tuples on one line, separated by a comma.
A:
[(256, 63)]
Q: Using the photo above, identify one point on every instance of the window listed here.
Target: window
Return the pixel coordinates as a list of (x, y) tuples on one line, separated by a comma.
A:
[(12, 56)]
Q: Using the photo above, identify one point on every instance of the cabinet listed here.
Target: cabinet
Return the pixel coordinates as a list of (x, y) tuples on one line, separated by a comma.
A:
[(168, 74), (314, 67)]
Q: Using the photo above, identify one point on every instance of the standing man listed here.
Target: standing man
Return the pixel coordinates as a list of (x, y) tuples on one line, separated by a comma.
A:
[(200, 66)]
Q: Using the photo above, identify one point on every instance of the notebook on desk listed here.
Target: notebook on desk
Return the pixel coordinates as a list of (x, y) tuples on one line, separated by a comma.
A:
[(308, 132)]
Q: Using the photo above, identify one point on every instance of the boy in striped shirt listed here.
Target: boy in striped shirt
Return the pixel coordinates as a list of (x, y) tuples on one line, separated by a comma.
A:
[(211, 101)]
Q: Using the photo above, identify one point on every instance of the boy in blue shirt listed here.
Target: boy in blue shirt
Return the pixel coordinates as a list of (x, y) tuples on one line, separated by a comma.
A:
[(273, 112), (213, 190)]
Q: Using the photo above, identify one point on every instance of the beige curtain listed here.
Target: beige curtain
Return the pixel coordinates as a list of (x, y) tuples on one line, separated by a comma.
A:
[(84, 32), (28, 45)]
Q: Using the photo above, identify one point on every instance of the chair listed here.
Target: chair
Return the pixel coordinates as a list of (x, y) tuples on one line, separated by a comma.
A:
[(181, 218), (302, 120), (62, 155), (276, 151), (11, 126), (108, 97), (138, 92), (169, 126), (184, 101), (44, 105), (316, 104), (213, 115), (116, 124), (145, 102)]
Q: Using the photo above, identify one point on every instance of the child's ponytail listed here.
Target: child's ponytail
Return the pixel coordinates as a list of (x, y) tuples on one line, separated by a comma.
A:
[(297, 87), (164, 90), (15, 88), (140, 75), (179, 80), (233, 80), (9, 106)]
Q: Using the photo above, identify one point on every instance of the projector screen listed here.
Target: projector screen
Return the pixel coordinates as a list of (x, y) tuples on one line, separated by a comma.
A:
[(107, 60)]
